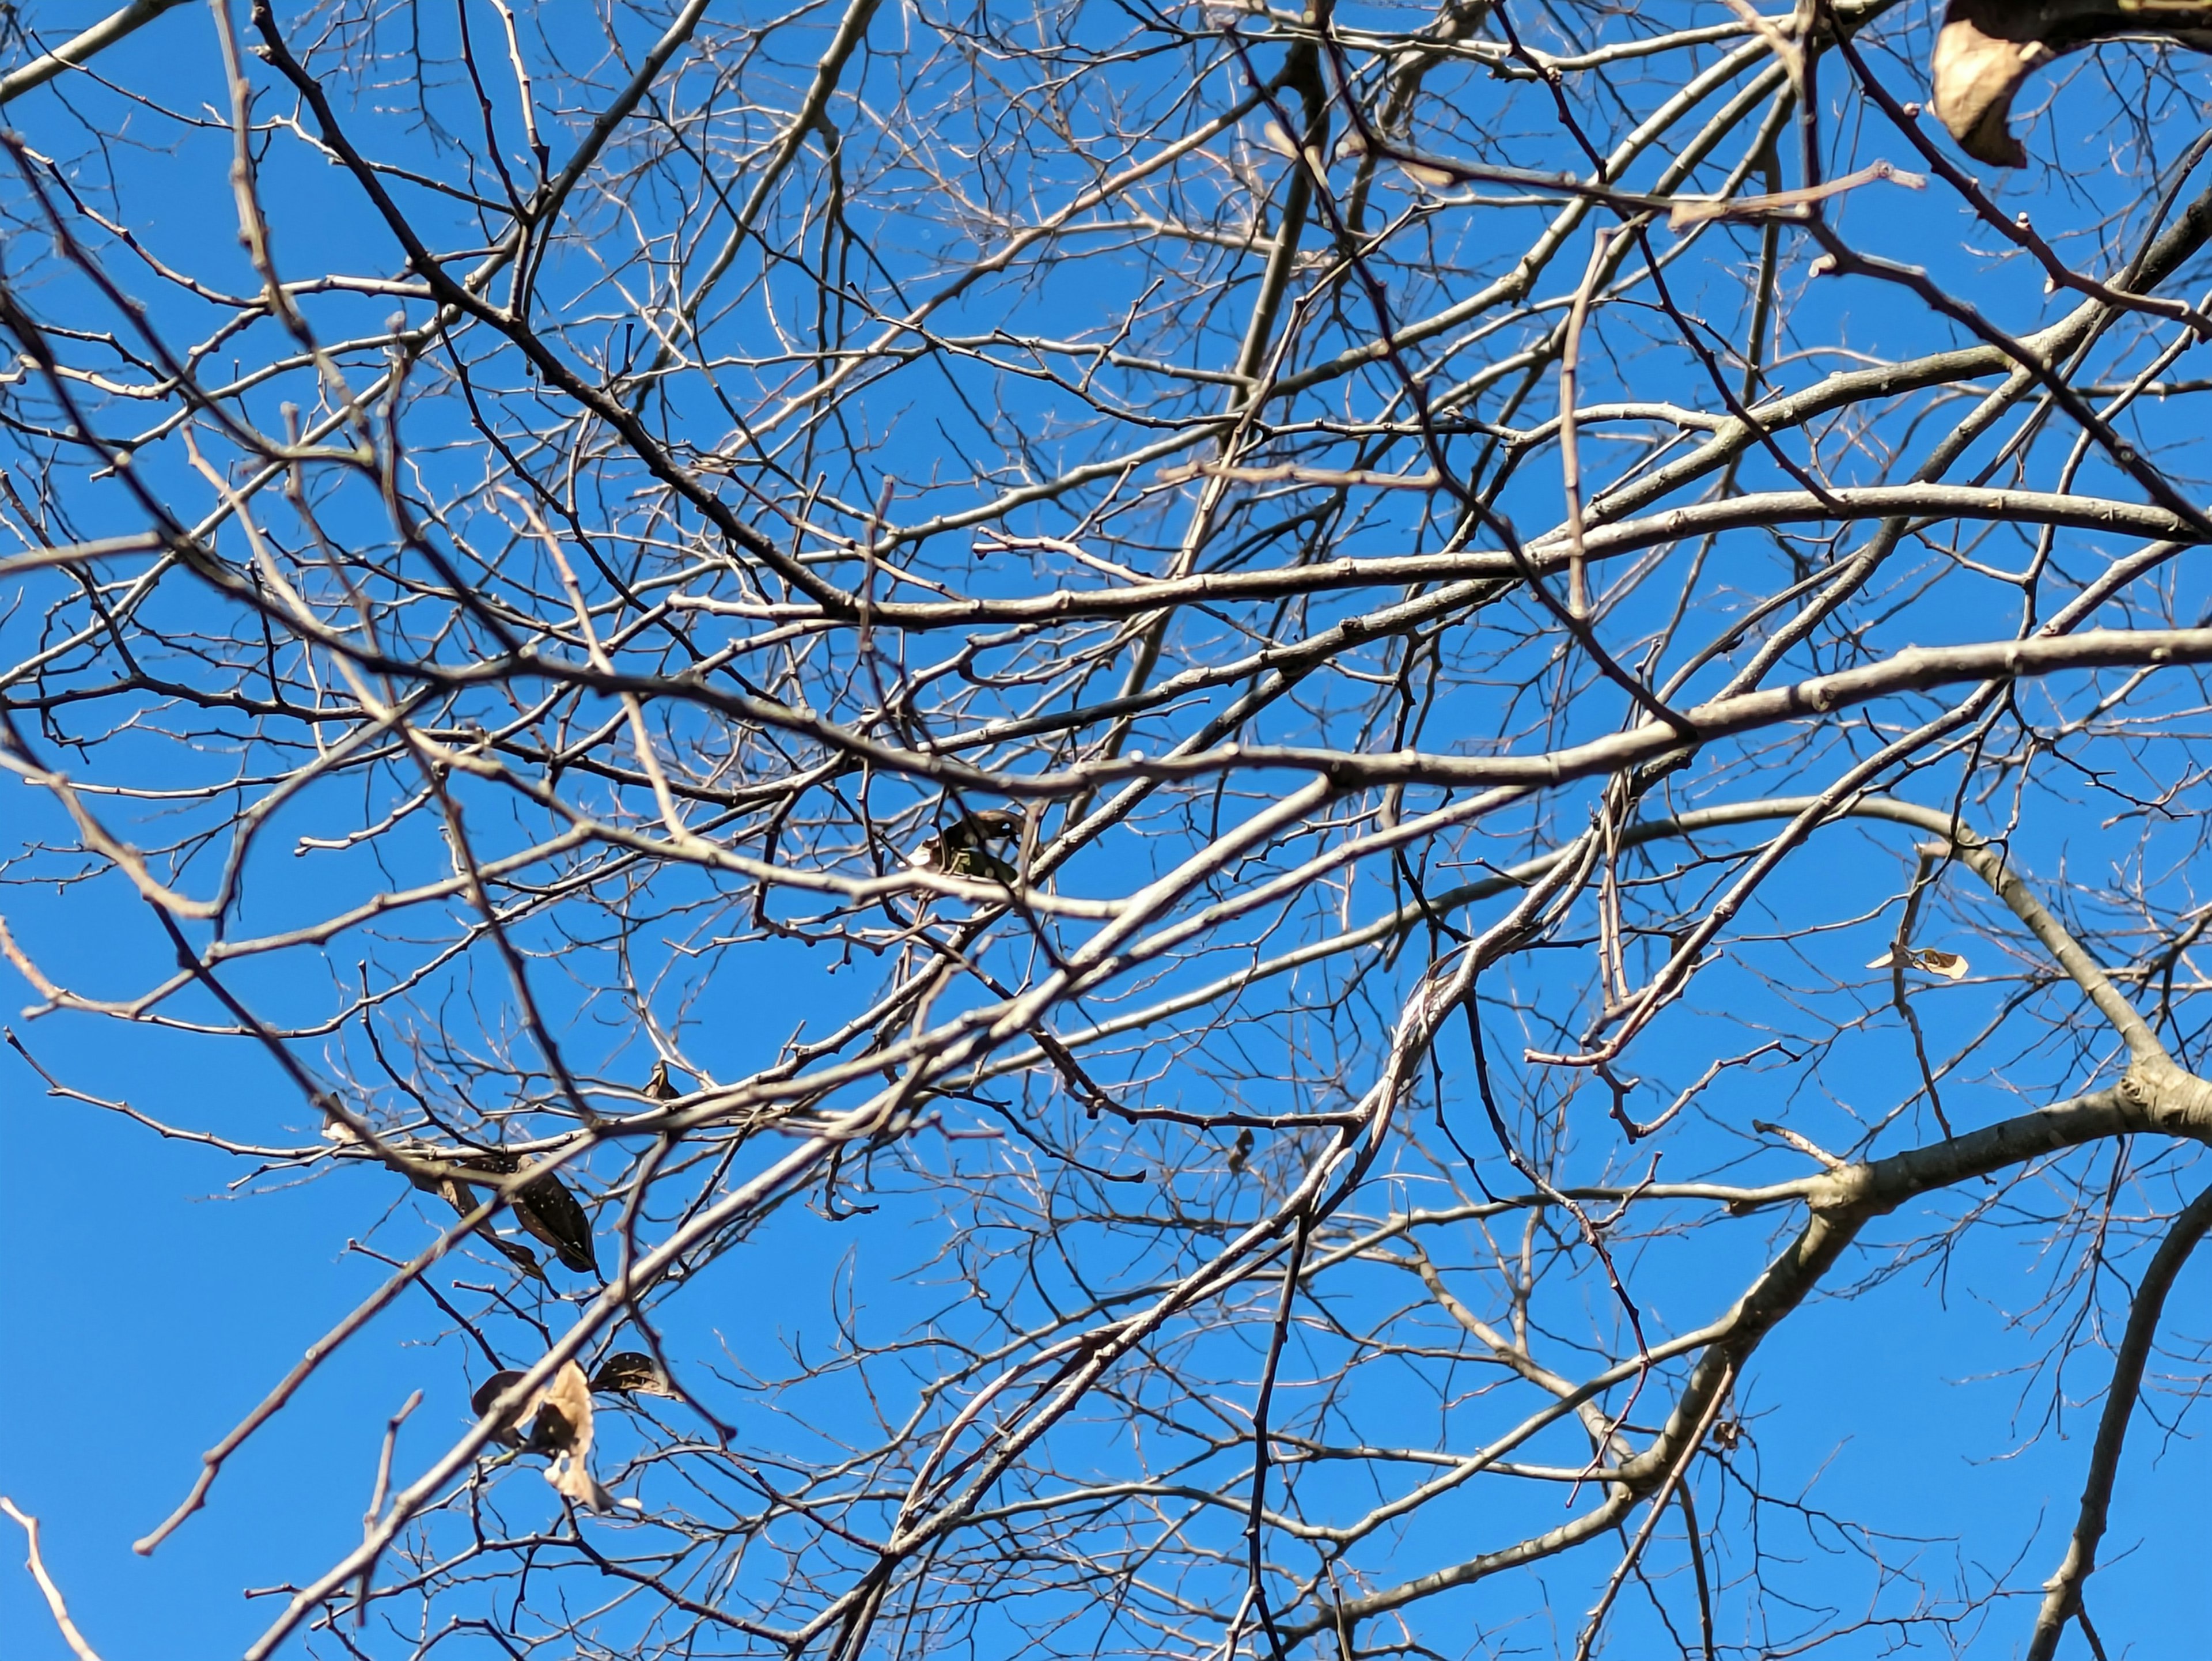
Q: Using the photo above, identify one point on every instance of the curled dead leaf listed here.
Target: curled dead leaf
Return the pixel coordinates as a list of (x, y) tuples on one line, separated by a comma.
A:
[(1241, 1151), (544, 1205), (463, 1199), (563, 1429), (961, 849), (1975, 76), (630, 1373), (510, 1429), (1988, 48), (1949, 965)]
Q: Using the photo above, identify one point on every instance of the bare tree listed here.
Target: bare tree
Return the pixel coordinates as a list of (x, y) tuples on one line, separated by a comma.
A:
[(1317, 643)]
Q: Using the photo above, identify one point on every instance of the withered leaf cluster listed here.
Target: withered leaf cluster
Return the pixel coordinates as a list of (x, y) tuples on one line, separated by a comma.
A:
[(543, 1204), (556, 1420), (965, 847)]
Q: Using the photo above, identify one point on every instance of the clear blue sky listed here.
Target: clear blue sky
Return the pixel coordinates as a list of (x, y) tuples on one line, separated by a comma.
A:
[(147, 1306)]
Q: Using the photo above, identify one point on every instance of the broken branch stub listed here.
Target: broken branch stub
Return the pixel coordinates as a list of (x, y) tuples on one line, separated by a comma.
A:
[(1988, 48)]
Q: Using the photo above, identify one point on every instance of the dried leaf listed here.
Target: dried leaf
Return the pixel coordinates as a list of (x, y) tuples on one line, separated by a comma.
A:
[(630, 1373), (962, 848), (520, 1256), (1975, 76), (564, 1430), (1949, 965), (564, 1413), (463, 1199), (571, 1479), (509, 1429), (981, 863), (544, 1205), (1242, 1152), (1987, 48)]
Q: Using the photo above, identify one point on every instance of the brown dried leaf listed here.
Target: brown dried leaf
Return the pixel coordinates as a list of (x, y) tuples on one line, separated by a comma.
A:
[(520, 1256), (630, 1373), (571, 1479), (544, 1205), (1949, 965), (1975, 76), (463, 1199), (564, 1430), (1242, 1152), (1987, 48), (509, 1429), (564, 1413)]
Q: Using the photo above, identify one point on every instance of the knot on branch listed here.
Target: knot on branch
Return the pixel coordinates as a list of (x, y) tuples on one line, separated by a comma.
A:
[(2171, 1098)]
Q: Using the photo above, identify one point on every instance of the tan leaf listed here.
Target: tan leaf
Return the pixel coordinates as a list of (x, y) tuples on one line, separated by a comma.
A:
[(1987, 48), (564, 1413), (1949, 965), (564, 1430), (570, 1478), (1975, 76)]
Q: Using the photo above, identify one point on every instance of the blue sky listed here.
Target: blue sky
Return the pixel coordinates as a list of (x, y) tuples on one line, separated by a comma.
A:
[(150, 1304)]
